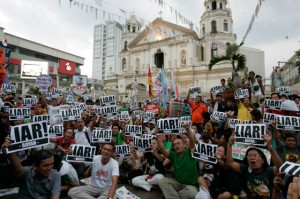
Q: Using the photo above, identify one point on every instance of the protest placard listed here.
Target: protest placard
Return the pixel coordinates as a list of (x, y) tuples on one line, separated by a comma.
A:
[(123, 193), (133, 130), (205, 152), (168, 125), (217, 89), (181, 121), (291, 123), (28, 102), (102, 135), (248, 122), (19, 113), (56, 119), (5, 109), (81, 153), (138, 114), (241, 94), (250, 134), (122, 150), (124, 115), (154, 108), (290, 168), (39, 118), (70, 114), (142, 144), (9, 88), (80, 106), (239, 152), (195, 90), (107, 110), (43, 82), (149, 116), (273, 104), (218, 116), (56, 130), (268, 117), (56, 92), (232, 122), (107, 100), (283, 90), (27, 136)]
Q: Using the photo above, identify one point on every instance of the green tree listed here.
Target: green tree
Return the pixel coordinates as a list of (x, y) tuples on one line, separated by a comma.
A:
[(237, 60)]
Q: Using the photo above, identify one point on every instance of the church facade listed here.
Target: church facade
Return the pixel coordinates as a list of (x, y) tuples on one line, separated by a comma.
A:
[(180, 49)]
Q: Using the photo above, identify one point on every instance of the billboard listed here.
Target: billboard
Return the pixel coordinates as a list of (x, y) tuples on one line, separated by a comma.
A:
[(79, 84), (33, 69)]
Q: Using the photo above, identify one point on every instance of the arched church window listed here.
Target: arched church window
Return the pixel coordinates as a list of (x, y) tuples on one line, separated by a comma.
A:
[(203, 29), (214, 50), (227, 44), (137, 64), (128, 28), (159, 58), (183, 57), (214, 5), (123, 63), (125, 45), (214, 26), (133, 29), (225, 25), (221, 6)]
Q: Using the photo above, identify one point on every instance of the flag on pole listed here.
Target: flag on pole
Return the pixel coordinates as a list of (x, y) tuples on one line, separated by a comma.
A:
[(173, 92), (164, 89), (150, 82)]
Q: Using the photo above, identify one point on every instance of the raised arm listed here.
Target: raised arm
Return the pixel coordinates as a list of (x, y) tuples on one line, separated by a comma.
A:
[(190, 135), (274, 155), (14, 159), (161, 147), (229, 160)]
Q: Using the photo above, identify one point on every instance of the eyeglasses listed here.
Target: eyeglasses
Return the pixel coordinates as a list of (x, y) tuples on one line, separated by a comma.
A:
[(106, 149), (253, 156)]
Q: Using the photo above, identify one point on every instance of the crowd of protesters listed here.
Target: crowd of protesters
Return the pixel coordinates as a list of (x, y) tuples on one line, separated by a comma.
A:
[(170, 166)]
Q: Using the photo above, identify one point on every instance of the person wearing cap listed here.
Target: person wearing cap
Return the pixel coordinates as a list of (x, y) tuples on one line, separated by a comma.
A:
[(151, 127)]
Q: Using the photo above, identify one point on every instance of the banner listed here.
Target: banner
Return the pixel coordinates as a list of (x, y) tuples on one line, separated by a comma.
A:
[(40, 118), (56, 130), (241, 94), (168, 126), (122, 150), (81, 153), (33, 69), (79, 84), (154, 108), (164, 90), (290, 123), (70, 114), (250, 134), (205, 152), (27, 136), (133, 130), (195, 90), (107, 100), (150, 83), (273, 104), (5, 54), (217, 89), (173, 93), (283, 90), (102, 136), (218, 116), (19, 113), (28, 102), (142, 144)]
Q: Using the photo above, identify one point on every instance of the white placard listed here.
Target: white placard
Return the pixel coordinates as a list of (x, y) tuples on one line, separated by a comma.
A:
[(218, 116), (195, 90), (124, 115), (142, 144), (291, 123), (102, 136), (250, 134), (241, 94), (19, 113), (39, 118), (56, 130), (70, 114), (290, 168), (81, 153), (205, 152), (122, 150), (268, 117), (107, 110), (27, 136), (273, 104), (28, 102), (133, 130), (217, 89), (232, 122), (8, 88), (107, 100), (283, 90), (56, 92), (168, 125)]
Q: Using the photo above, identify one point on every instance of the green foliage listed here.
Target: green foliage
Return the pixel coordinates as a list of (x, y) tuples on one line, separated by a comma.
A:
[(233, 56)]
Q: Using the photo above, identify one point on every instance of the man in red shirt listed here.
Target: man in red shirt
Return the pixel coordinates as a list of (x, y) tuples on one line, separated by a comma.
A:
[(198, 108)]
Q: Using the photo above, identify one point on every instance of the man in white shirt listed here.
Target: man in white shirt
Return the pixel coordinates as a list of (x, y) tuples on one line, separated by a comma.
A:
[(104, 179)]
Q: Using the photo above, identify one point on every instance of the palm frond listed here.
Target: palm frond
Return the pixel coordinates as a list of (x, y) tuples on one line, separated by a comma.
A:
[(216, 60)]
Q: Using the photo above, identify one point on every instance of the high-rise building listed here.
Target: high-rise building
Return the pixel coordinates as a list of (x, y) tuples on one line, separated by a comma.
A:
[(107, 45)]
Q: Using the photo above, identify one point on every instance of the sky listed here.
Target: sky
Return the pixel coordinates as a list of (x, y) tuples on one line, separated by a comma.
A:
[(69, 27)]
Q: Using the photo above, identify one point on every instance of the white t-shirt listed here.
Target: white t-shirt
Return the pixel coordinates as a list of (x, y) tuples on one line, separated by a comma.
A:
[(68, 169), (80, 137), (258, 91), (102, 174)]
